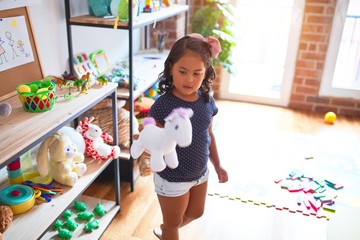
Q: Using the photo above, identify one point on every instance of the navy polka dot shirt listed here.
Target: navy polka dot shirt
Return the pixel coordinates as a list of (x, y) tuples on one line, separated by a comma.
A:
[(194, 158)]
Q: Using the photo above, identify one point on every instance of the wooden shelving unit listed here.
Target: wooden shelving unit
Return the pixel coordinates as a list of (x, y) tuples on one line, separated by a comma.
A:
[(22, 131), (143, 66)]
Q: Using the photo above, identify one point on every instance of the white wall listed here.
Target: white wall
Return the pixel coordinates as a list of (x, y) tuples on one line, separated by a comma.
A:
[(49, 29)]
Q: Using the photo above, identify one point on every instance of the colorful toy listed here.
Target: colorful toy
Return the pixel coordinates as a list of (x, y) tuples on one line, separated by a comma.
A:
[(161, 142), (148, 6), (5, 109), (59, 157), (102, 80), (152, 92), (90, 226), (80, 206), (330, 117), (100, 210), (83, 65), (100, 61), (85, 84), (14, 172), (94, 140)]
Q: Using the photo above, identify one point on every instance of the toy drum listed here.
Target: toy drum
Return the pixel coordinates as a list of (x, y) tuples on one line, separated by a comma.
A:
[(20, 198)]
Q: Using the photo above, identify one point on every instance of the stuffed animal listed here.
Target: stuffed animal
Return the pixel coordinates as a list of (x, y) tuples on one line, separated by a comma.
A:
[(6, 217), (5, 109), (75, 137), (161, 142), (94, 137), (59, 157)]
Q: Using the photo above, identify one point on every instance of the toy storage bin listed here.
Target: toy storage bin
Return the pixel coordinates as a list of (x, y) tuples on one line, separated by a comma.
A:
[(38, 101)]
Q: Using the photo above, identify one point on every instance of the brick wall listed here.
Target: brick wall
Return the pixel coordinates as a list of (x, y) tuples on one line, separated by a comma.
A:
[(311, 55), (310, 62)]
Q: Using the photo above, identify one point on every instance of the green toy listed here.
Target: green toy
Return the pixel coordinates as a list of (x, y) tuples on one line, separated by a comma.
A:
[(80, 206), (90, 226), (67, 214), (64, 233), (85, 215), (100, 210), (71, 224), (57, 224)]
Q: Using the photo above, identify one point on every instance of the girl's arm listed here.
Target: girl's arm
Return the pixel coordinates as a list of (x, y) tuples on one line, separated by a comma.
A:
[(214, 158)]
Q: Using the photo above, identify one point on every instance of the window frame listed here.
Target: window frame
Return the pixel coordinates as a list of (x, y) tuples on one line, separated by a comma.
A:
[(326, 89)]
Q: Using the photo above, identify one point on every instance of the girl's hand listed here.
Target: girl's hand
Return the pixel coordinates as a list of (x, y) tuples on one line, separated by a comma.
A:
[(222, 174)]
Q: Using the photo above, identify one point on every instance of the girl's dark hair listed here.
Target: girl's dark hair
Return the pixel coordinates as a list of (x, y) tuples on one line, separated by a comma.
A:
[(177, 51)]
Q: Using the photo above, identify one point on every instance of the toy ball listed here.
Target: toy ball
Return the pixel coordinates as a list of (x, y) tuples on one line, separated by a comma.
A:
[(330, 117)]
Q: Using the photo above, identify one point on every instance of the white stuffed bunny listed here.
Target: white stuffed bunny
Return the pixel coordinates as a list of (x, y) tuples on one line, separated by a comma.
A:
[(161, 142), (59, 157)]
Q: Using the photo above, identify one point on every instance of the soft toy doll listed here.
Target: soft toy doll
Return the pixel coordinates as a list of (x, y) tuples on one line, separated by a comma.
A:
[(59, 157), (161, 142), (5, 109), (94, 137)]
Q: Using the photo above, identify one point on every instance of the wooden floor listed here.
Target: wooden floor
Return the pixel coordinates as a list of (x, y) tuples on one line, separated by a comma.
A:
[(255, 143)]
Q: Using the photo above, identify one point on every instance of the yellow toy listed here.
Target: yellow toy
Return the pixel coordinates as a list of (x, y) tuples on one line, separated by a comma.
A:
[(330, 117), (59, 157)]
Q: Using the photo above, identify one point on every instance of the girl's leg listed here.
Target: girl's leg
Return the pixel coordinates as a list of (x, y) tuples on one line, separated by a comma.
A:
[(196, 203), (173, 210)]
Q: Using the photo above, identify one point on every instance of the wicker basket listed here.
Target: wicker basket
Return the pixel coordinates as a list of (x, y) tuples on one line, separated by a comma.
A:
[(38, 101)]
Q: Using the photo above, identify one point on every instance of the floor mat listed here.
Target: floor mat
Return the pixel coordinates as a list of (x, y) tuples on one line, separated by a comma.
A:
[(260, 180)]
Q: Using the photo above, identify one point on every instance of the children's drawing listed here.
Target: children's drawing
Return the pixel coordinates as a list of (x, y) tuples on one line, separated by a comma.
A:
[(15, 46)]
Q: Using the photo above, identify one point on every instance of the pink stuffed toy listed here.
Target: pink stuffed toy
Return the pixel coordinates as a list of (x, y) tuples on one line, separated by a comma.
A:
[(95, 139)]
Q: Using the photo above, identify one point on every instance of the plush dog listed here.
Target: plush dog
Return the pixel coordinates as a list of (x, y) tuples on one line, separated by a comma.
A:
[(95, 139)]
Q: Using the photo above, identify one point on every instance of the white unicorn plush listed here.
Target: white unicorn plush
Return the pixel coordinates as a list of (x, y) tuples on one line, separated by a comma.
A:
[(161, 142)]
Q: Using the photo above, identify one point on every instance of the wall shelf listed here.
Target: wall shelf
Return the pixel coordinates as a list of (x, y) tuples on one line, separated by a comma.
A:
[(150, 68), (22, 131)]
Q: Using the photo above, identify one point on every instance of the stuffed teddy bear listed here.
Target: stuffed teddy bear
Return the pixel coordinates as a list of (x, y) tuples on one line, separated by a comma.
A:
[(94, 137), (6, 217), (59, 157), (161, 142), (5, 109)]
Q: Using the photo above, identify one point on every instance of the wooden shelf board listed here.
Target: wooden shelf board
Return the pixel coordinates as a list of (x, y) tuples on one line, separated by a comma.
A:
[(23, 130), (46, 213), (142, 20), (104, 221)]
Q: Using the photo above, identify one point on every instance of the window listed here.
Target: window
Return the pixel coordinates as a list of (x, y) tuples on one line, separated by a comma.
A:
[(341, 76)]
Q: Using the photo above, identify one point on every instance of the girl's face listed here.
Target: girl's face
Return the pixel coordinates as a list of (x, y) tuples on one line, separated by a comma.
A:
[(188, 73)]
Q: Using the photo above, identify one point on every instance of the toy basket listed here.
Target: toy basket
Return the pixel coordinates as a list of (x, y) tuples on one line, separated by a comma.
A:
[(39, 101)]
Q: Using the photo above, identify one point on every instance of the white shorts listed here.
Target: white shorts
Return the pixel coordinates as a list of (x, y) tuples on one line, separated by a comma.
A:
[(176, 189)]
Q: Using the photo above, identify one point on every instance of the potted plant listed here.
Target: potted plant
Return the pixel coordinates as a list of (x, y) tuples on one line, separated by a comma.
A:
[(216, 19)]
